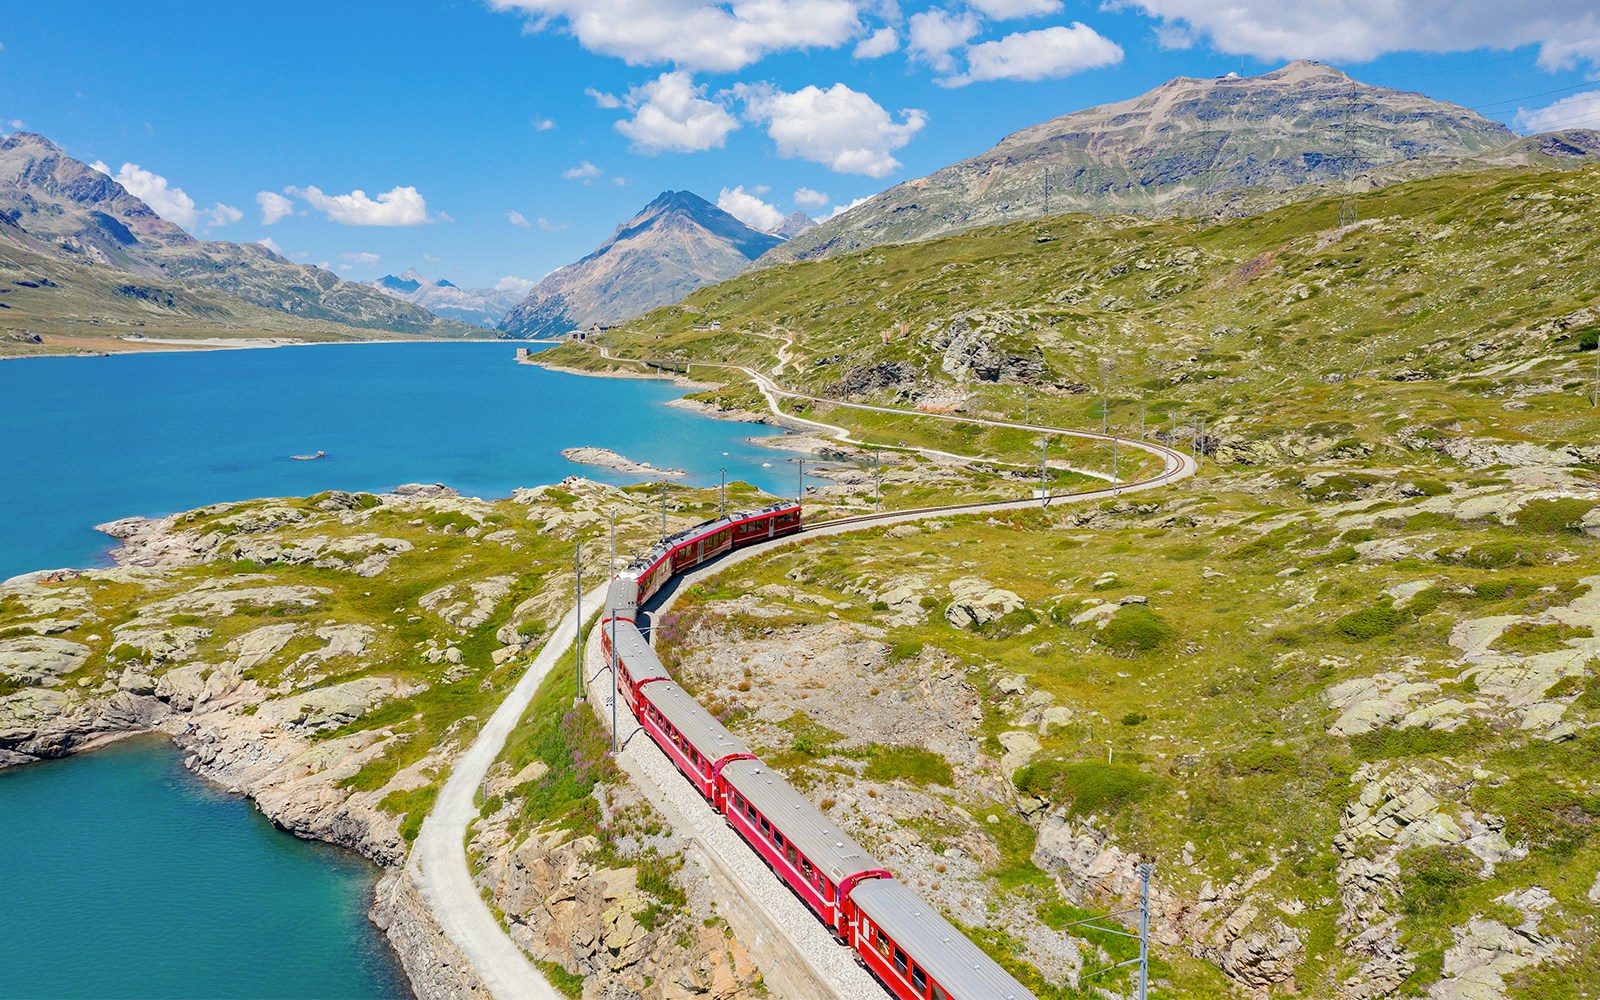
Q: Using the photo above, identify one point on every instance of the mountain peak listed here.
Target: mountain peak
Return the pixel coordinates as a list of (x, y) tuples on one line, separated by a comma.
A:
[(411, 274), (675, 244)]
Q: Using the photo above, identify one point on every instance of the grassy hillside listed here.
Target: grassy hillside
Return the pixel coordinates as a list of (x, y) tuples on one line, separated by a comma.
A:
[(1342, 688)]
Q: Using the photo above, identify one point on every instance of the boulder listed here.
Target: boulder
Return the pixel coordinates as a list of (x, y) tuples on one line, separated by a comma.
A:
[(976, 602), (40, 659), (260, 645)]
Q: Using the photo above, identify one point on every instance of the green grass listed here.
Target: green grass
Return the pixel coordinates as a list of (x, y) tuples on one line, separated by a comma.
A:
[(910, 764)]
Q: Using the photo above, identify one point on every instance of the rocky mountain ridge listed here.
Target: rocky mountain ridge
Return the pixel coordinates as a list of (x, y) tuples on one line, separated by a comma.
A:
[(484, 307), (676, 244), (56, 210), (1224, 144)]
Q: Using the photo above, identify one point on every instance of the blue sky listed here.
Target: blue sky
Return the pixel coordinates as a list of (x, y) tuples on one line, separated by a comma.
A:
[(248, 121)]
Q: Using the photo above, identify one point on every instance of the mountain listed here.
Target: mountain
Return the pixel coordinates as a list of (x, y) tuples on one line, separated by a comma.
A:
[(1188, 145), (477, 306), (677, 243), (793, 225), (59, 214)]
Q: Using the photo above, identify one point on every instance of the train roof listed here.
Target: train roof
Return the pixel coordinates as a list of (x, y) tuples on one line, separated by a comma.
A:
[(690, 719), (652, 555), (944, 953), (824, 844), (643, 664), (622, 595)]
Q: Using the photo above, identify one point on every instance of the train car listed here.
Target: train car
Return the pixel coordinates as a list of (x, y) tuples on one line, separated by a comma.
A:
[(622, 599), (637, 664), (817, 859), (918, 954), (693, 546), (691, 737)]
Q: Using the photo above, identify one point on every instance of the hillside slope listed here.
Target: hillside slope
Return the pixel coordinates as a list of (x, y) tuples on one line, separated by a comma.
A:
[(677, 243), (55, 208), (1190, 145)]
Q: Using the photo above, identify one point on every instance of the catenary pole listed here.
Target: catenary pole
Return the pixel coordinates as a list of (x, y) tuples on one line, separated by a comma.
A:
[(876, 480), (1144, 930), (1044, 494), (663, 508), (577, 639), (722, 493)]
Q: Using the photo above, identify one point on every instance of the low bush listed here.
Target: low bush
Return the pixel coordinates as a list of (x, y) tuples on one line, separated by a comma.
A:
[(1369, 623), (1090, 786), (1134, 629), (911, 764), (1550, 517)]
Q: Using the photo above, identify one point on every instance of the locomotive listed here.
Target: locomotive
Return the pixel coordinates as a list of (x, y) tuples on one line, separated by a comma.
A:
[(906, 944)]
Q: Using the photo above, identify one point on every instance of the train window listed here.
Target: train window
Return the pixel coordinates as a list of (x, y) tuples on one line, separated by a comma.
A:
[(792, 854), (806, 870), (777, 839), (919, 979), (750, 811), (900, 961), (939, 993), (883, 945), (765, 826), (738, 801)]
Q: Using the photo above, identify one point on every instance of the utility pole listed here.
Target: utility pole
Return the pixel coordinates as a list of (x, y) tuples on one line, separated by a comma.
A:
[(613, 562), (1027, 412), (614, 660), (663, 508), (1113, 465), (577, 638), (1141, 420), (1144, 929), (1595, 399), (1047, 190), (1044, 494), (876, 481), (722, 502), (1105, 413), (800, 483)]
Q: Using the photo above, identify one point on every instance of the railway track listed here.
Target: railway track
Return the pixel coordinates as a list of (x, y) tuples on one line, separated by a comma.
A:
[(812, 964)]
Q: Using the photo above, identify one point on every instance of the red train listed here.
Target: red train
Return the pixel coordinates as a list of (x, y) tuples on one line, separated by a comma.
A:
[(908, 946)]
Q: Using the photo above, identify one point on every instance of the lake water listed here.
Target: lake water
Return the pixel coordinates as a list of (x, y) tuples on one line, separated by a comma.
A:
[(122, 875), (89, 440)]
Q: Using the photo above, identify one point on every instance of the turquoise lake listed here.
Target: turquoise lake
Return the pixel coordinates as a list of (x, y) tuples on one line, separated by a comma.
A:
[(89, 440), (122, 875)]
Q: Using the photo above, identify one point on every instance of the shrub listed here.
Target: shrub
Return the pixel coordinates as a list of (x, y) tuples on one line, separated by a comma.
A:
[(1369, 623), (1134, 629), (912, 764), (1528, 639), (1091, 786), (1266, 759), (1550, 517)]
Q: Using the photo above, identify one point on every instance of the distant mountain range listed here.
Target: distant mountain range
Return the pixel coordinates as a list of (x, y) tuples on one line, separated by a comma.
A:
[(1191, 145), (677, 243), (78, 253), (479, 306)]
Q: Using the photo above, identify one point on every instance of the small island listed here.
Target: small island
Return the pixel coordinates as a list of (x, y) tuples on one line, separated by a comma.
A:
[(608, 459)]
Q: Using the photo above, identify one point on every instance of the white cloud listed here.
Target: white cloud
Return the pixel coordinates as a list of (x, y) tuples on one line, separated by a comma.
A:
[(934, 33), (879, 43), (603, 99), (363, 258), (17, 123), (841, 128), (583, 171), (1578, 111), (166, 200), (430, 258), (1358, 30), (694, 34), (222, 215), (553, 227), (620, 182), (841, 209), (517, 218), (749, 209), (399, 206), (808, 198), (1037, 55), (512, 283), (1002, 10), (671, 113), (271, 244), (274, 206), (543, 124)]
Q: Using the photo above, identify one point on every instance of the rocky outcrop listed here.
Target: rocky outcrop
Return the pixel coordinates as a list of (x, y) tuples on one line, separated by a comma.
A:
[(608, 459), (975, 603), (972, 353)]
